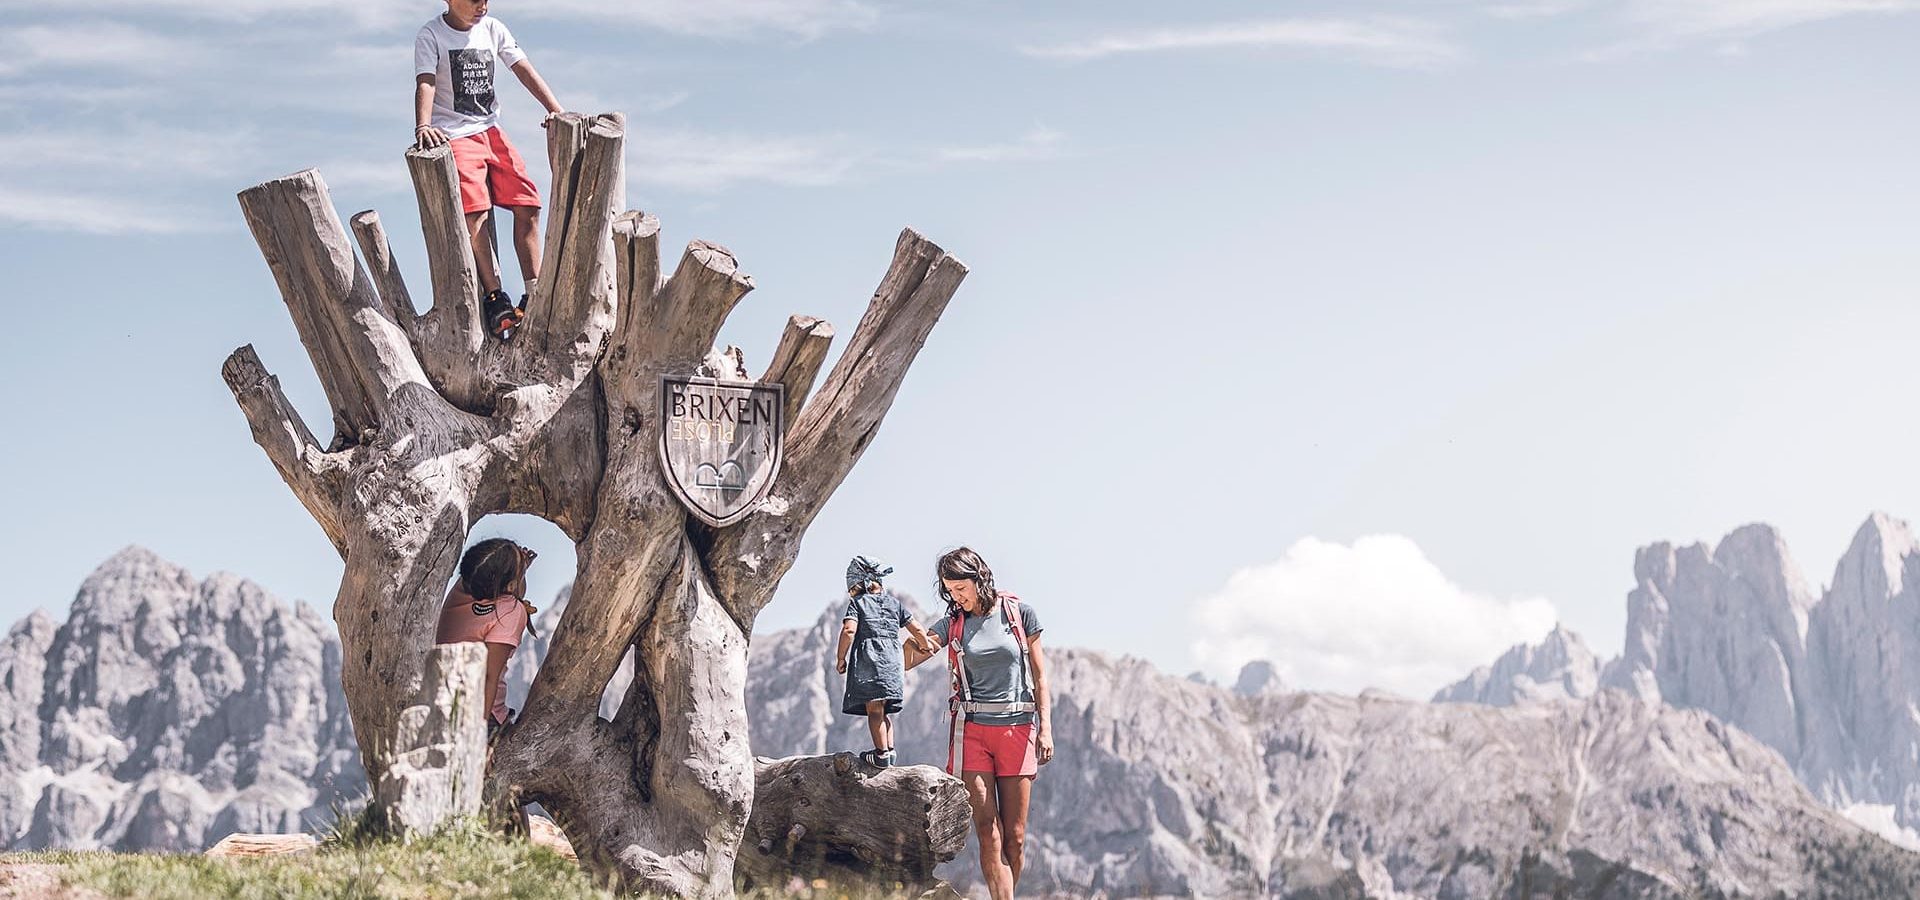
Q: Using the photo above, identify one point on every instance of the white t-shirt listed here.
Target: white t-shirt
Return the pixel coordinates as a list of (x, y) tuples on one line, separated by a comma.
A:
[(461, 63)]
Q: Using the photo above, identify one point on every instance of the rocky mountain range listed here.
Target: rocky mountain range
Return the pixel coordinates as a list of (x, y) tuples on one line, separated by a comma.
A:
[(1830, 679), (167, 712)]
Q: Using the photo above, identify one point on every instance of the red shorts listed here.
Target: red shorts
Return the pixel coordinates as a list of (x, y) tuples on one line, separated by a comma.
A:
[(1004, 750), (491, 173)]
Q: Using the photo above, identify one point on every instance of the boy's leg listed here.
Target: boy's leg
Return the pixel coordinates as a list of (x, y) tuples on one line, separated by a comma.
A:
[(478, 234), (526, 241)]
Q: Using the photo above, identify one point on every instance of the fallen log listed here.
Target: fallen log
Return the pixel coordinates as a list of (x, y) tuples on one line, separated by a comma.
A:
[(839, 819)]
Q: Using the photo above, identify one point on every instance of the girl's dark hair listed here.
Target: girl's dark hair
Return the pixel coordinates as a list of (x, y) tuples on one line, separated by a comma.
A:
[(962, 564), (491, 568)]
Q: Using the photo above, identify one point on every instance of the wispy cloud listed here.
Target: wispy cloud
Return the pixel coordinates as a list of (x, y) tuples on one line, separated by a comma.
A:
[(703, 162), (87, 213), (91, 45), (804, 19), (1040, 143), (1380, 41), (1683, 19)]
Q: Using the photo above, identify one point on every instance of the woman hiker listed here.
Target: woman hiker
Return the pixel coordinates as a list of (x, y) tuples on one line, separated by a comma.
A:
[(1000, 684)]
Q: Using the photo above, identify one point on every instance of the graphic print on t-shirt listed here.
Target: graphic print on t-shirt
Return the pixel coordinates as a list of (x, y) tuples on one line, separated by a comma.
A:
[(472, 72)]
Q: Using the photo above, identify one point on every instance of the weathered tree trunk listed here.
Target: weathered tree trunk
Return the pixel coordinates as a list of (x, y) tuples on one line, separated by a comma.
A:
[(909, 819), (436, 425)]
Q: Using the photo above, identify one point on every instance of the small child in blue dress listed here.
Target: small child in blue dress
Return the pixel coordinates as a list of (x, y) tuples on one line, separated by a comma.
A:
[(876, 674)]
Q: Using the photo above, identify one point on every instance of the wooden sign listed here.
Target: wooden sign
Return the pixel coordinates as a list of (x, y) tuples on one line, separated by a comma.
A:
[(720, 444)]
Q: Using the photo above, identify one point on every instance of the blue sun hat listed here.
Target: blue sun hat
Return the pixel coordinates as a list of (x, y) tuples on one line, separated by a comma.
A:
[(864, 569)]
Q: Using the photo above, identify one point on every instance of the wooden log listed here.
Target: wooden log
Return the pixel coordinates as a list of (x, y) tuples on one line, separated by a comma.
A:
[(243, 845), (858, 827)]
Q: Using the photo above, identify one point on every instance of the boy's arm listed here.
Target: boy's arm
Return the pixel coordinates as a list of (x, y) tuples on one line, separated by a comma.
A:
[(424, 134), (847, 628), (537, 86)]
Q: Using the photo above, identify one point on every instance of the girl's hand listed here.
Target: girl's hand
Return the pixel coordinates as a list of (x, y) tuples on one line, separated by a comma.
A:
[(1043, 742), (840, 665)]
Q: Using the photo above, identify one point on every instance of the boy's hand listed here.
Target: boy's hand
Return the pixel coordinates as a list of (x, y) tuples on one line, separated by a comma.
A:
[(428, 136), (552, 115)]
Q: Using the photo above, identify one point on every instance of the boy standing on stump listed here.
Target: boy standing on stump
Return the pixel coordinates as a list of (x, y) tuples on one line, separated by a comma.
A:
[(454, 103)]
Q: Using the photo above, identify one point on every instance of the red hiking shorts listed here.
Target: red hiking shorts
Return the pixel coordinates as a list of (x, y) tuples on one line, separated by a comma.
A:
[(1004, 750), (491, 173)]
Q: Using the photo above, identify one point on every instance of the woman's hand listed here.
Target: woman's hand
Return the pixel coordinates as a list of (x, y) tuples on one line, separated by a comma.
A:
[(1043, 742)]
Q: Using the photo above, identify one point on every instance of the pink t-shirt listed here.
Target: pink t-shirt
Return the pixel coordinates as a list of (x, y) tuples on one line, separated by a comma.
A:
[(498, 621)]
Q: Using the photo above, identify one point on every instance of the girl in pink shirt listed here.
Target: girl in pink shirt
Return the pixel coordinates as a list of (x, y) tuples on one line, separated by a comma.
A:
[(485, 606)]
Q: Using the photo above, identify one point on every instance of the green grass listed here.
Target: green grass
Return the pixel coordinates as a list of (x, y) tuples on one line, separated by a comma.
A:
[(463, 861)]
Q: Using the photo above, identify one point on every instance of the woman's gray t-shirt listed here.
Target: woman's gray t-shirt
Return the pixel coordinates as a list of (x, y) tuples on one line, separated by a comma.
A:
[(995, 670)]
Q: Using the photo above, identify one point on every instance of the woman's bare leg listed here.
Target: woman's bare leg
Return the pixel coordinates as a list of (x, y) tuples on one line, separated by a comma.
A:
[(986, 827), (1015, 793)]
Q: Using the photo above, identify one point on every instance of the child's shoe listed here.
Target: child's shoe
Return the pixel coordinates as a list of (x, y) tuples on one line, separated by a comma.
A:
[(500, 314)]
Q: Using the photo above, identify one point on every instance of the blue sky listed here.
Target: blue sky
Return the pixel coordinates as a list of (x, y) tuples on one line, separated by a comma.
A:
[(1367, 336)]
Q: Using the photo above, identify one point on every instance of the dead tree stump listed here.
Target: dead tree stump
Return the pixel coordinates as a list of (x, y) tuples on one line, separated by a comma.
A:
[(436, 425), (439, 765)]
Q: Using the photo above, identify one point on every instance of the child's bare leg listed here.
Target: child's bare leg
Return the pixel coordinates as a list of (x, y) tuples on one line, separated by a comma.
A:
[(526, 240), (477, 234), (877, 723)]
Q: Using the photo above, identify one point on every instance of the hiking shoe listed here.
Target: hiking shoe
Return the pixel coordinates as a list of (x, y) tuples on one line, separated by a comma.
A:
[(501, 316)]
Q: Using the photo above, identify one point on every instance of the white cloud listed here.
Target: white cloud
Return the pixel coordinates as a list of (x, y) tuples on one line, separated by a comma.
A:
[(1382, 41), (1375, 614), (1040, 143), (91, 45), (89, 213)]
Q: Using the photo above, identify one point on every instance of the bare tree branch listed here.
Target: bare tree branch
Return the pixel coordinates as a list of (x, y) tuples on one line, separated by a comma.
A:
[(836, 425), (317, 478), (378, 256), (450, 334), (577, 270), (362, 358), (796, 361)]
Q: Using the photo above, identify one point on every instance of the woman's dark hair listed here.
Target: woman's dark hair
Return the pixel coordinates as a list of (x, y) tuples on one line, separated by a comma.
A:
[(491, 568), (962, 564)]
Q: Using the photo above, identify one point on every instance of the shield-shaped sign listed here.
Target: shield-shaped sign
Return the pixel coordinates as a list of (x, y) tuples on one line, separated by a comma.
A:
[(720, 444)]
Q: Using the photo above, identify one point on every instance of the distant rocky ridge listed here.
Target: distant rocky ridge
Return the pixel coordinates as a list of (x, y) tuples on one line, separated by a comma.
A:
[(166, 713), (1830, 680), (1165, 786)]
